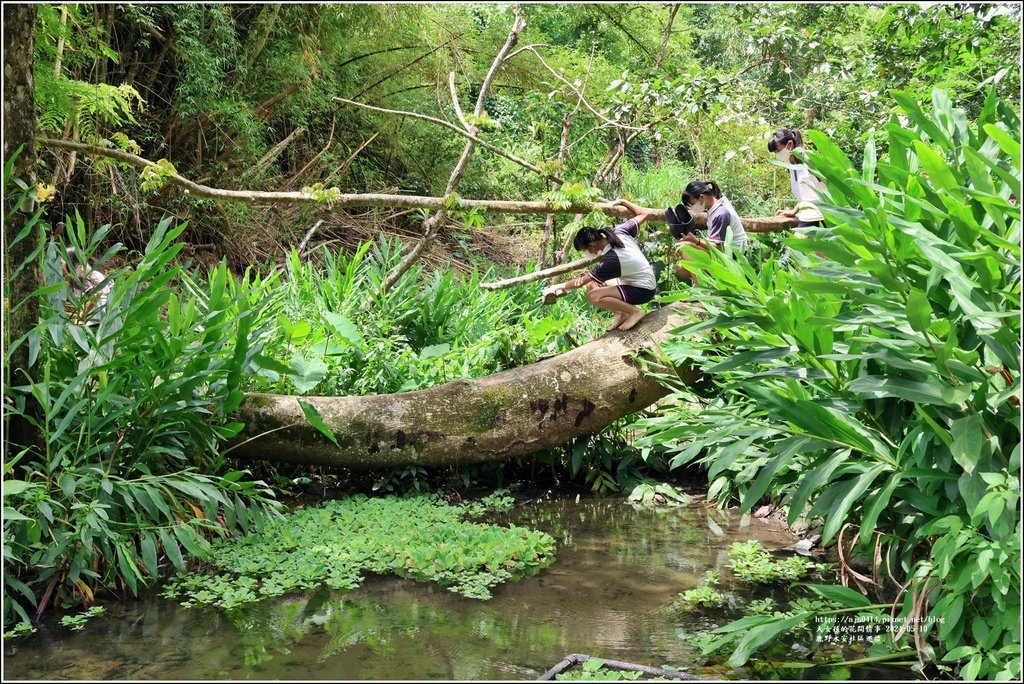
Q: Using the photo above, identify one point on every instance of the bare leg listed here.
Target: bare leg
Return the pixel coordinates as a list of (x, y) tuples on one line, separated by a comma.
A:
[(610, 299), (616, 321), (619, 315)]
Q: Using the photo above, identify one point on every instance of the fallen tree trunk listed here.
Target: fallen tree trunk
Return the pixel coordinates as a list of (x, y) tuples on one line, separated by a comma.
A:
[(501, 416)]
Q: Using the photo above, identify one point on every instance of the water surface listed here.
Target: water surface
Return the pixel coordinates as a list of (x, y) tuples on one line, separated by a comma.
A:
[(609, 594)]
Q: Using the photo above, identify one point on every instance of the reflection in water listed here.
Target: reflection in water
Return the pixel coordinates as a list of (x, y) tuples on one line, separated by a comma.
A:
[(616, 573)]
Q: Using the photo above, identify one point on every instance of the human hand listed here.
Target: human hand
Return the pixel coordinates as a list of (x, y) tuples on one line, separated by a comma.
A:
[(549, 294)]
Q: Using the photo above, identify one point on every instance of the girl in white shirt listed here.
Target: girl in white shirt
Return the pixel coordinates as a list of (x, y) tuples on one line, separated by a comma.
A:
[(804, 186)]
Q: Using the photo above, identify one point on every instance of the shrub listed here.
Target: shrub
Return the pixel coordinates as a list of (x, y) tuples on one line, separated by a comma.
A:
[(877, 385), (129, 408)]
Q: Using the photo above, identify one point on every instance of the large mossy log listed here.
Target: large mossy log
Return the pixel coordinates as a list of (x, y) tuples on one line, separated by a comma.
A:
[(497, 417)]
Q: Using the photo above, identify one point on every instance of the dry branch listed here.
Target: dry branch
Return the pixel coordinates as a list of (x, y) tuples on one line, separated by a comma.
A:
[(461, 131), (543, 273), (773, 224), (432, 224)]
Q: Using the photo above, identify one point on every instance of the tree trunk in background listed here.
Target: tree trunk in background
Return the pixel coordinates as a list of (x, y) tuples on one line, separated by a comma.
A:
[(501, 416), (549, 222), (19, 130)]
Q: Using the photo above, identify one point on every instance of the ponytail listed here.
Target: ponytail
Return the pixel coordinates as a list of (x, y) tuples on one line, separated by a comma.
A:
[(697, 188), (781, 137), (588, 236)]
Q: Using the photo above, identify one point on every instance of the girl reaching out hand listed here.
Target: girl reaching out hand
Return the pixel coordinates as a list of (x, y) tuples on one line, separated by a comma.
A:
[(622, 259)]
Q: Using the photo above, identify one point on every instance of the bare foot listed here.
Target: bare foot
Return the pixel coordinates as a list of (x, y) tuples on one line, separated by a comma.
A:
[(616, 322), (632, 320)]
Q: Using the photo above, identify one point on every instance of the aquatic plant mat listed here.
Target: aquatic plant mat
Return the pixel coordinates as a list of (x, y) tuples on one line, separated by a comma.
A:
[(419, 537), (574, 659)]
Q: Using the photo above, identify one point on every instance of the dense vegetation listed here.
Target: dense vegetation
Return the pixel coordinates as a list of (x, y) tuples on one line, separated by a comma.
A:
[(868, 376)]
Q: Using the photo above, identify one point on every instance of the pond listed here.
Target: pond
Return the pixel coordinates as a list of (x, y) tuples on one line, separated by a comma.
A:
[(609, 594)]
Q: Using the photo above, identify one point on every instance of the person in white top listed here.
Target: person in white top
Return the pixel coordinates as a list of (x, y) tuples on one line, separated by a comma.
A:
[(804, 186), (722, 219), (88, 291), (623, 261)]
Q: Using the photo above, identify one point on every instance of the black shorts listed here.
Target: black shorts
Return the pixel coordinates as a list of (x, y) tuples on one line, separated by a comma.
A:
[(635, 295)]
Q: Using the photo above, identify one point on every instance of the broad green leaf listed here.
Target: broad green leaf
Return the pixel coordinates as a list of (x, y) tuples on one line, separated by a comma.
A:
[(148, 546), (171, 549), (317, 421), (836, 517), (762, 634), (15, 487), (306, 373), (840, 594), (920, 392), (435, 350), (878, 503), (967, 440), (919, 310), (346, 329), (1010, 146)]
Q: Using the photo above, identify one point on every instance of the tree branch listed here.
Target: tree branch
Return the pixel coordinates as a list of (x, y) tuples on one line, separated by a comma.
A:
[(773, 224), (431, 225), (455, 101), (622, 28), (578, 93), (666, 35), (543, 273), (465, 133)]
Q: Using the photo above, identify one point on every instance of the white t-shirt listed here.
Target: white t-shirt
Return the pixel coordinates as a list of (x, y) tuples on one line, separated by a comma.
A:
[(805, 189), (627, 263)]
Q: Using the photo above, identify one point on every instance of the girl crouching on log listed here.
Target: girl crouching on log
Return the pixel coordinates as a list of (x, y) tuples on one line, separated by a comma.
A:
[(623, 260)]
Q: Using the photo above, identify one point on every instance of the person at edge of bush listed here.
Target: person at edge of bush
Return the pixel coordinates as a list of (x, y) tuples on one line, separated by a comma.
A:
[(623, 260), (802, 183), (87, 287), (704, 196)]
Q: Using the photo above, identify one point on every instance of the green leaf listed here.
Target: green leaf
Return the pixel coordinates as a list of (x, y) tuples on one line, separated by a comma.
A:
[(148, 546), (959, 653), (876, 505), (435, 350), (967, 441), (951, 616), (836, 517), (919, 310), (345, 328), (919, 392), (15, 487), (841, 595), (195, 544), (171, 549), (1008, 145), (970, 671), (317, 421), (762, 634), (306, 373)]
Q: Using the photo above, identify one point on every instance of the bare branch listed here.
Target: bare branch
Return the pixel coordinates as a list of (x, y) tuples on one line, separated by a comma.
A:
[(666, 35), (622, 28), (465, 133), (543, 273), (431, 225), (772, 224), (455, 101), (564, 80)]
